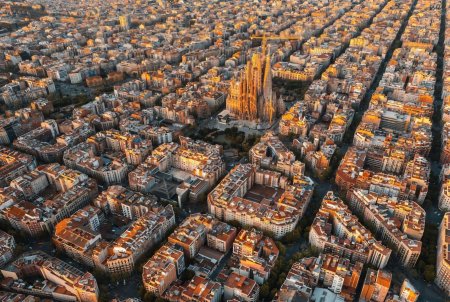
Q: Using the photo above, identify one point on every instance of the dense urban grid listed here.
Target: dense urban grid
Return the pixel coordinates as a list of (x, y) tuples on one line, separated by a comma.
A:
[(224, 150)]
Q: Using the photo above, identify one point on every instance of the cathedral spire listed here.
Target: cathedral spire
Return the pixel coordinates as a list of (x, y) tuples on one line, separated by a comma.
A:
[(252, 97), (267, 81)]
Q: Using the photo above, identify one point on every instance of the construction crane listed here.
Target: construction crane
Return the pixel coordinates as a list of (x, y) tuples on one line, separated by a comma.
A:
[(265, 38)]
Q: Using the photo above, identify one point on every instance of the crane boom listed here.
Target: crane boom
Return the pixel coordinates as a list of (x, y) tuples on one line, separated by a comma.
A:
[(265, 38)]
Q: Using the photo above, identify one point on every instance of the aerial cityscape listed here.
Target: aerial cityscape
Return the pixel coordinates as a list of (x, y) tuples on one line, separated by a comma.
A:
[(225, 150)]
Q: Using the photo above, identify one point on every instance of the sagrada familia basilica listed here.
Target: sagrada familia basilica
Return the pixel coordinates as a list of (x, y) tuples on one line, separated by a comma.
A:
[(251, 96)]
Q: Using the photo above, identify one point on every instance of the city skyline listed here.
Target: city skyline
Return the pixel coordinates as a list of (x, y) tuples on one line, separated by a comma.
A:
[(225, 150)]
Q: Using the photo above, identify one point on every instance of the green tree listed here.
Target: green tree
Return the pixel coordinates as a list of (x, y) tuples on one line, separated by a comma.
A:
[(264, 291), (104, 293), (273, 292), (281, 248), (297, 256), (293, 237), (429, 273), (281, 279)]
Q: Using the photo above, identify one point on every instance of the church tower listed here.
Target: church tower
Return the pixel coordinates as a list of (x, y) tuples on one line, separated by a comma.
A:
[(251, 96)]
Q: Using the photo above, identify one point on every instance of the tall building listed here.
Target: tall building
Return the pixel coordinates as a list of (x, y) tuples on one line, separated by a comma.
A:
[(340, 275), (14, 164), (221, 237), (408, 293), (62, 281), (376, 285), (301, 280), (336, 230), (256, 255), (125, 22), (381, 213), (326, 272), (443, 255), (163, 268), (444, 196), (198, 289), (191, 234), (7, 246), (260, 198), (271, 153), (79, 237), (241, 288), (251, 96)]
